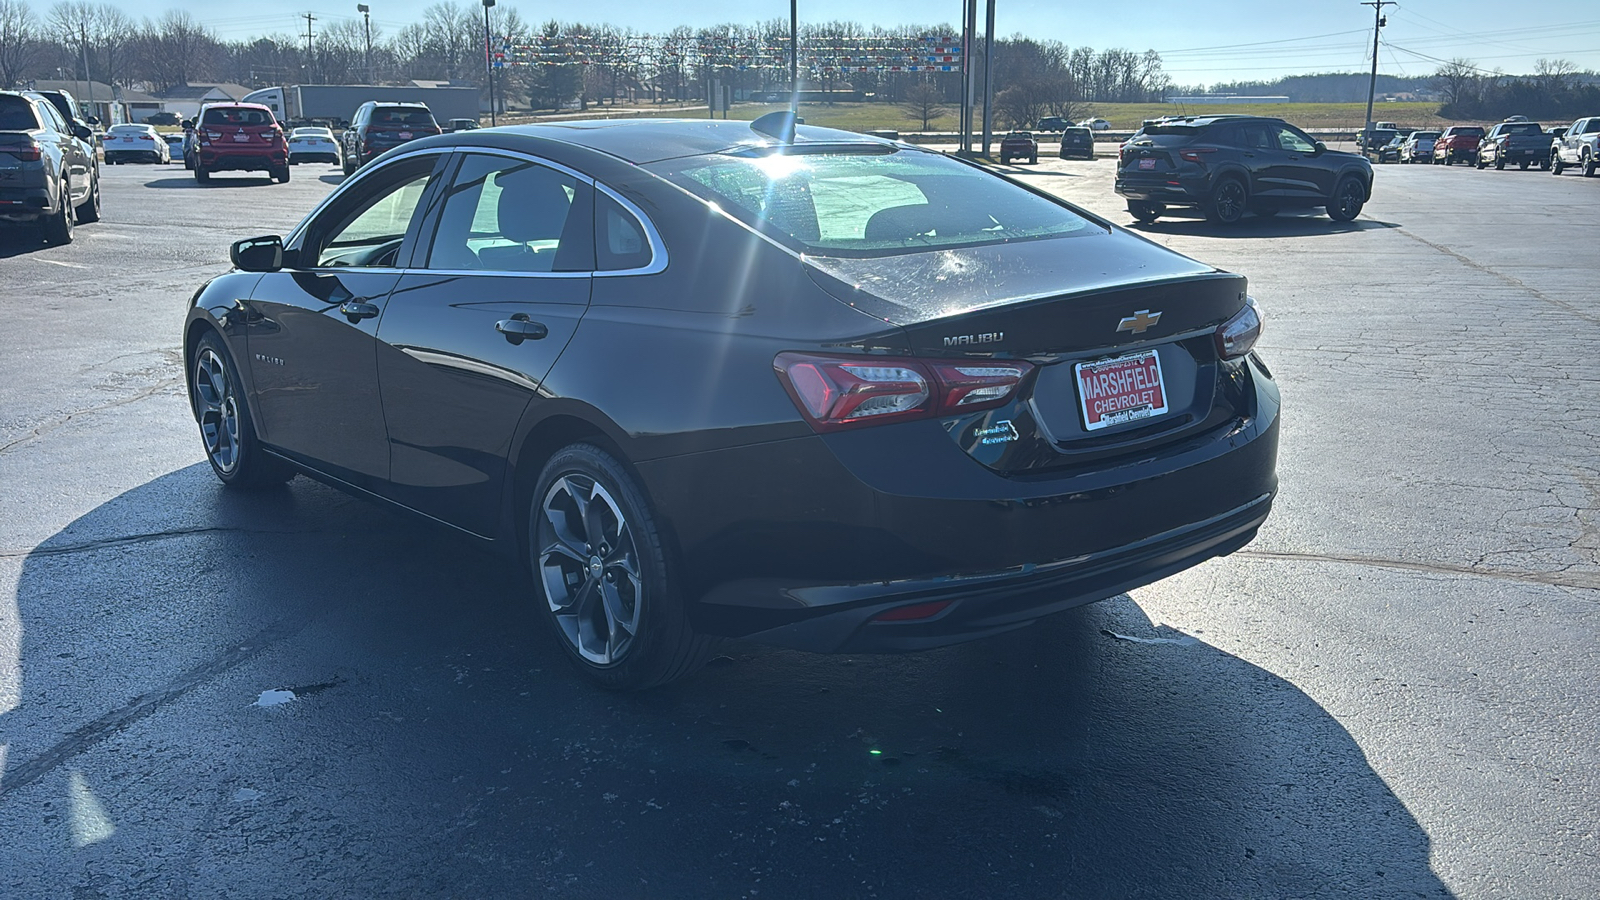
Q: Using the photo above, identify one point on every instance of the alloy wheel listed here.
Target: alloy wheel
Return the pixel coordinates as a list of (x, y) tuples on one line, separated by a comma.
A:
[(218, 409), (589, 566)]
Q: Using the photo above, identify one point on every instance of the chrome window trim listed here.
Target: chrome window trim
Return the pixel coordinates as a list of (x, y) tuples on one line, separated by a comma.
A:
[(494, 273), (357, 178)]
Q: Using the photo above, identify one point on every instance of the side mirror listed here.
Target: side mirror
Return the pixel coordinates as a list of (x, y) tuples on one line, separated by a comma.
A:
[(1319, 147), (83, 133), (188, 123), (261, 254), (93, 120)]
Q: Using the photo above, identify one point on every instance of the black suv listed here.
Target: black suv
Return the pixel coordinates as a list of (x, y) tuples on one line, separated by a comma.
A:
[(377, 127), (1227, 165)]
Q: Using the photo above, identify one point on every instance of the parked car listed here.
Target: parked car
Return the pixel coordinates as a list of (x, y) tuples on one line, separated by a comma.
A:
[(1458, 143), (1371, 142), (136, 143), (588, 346), (174, 144), (162, 118), (67, 106), (313, 145), (1052, 124), (1578, 146), (1228, 165), (1077, 141), (377, 127), (1523, 143), (1019, 145), (455, 125), (1418, 146), (239, 137), (1096, 124), (49, 177)]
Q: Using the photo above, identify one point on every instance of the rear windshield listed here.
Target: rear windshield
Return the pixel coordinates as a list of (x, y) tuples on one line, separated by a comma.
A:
[(312, 132), (1468, 130), (401, 116), (233, 116), (16, 114), (1528, 128), (1172, 129), (1424, 135), (129, 129), (870, 203)]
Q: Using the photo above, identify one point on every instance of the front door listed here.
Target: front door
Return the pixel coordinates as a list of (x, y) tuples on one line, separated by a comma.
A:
[(474, 326), (1297, 171), (311, 327)]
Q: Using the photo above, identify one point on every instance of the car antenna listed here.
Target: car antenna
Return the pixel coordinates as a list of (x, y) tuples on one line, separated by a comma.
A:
[(778, 125)]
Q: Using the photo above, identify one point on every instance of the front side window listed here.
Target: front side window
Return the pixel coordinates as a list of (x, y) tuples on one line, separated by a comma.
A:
[(368, 231), (870, 203), (1293, 141), (512, 215)]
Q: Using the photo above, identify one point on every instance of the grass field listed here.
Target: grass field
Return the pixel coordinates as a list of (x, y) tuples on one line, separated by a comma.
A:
[(1122, 116)]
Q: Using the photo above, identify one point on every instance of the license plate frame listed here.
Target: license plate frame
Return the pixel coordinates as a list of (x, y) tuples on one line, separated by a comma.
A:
[(1147, 165), (1106, 400), (241, 138)]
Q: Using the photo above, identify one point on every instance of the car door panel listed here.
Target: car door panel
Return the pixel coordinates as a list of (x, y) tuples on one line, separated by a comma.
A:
[(468, 339)]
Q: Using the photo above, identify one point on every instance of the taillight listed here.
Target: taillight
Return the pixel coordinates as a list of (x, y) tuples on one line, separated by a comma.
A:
[(28, 152), (838, 392), (1193, 154), (1235, 337)]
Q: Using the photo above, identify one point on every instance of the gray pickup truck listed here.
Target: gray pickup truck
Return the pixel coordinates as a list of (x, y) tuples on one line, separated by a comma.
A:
[(1580, 146), (1523, 143)]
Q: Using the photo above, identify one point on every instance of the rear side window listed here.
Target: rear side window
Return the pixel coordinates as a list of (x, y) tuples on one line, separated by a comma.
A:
[(870, 203), (620, 241), (16, 114)]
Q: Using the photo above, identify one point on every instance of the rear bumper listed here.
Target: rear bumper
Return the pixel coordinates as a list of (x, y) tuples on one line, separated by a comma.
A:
[(803, 542), (24, 204), (245, 162), (1166, 190)]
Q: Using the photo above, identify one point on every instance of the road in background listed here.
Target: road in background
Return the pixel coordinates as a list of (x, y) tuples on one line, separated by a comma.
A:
[(1390, 693)]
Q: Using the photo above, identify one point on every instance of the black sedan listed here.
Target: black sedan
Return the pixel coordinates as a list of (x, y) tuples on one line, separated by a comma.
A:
[(796, 385)]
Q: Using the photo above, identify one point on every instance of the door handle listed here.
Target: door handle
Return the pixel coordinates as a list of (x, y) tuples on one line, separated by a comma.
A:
[(355, 310), (518, 329)]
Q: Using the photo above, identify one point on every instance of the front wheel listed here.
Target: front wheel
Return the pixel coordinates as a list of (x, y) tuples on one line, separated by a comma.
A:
[(1589, 163), (227, 429), (1556, 165), (1348, 198), (1227, 202), (90, 210), (602, 573), (201, 175)]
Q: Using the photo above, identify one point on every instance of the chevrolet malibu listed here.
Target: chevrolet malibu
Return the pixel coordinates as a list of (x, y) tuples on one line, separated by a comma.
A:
[(713, 379)]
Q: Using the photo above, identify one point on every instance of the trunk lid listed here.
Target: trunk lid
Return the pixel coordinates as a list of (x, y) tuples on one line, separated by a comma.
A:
[(1106, 302)]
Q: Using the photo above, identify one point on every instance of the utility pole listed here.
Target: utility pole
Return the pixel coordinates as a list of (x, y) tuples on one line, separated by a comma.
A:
[(1378, 21), (969, 24), (309, 19), (83, 44), (988, 82), (366, 13), (794, 56)]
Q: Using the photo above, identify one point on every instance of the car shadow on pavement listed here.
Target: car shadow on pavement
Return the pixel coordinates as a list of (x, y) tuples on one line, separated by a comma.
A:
[(332, 179), (16, 240), (433, 723), (217, 181), (1253, 226)]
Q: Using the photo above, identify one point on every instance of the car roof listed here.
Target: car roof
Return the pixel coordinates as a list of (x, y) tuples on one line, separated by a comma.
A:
[(230, 104), (641, 141)]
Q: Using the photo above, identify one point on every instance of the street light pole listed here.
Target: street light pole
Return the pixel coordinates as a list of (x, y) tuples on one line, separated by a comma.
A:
[(366, 13), (488, 60), (988, 81)]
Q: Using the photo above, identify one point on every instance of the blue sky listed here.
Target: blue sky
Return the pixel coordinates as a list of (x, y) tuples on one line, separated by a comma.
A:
[(1200, 43)]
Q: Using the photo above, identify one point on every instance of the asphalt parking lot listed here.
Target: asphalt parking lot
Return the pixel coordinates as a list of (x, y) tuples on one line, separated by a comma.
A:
[(1389, 694)]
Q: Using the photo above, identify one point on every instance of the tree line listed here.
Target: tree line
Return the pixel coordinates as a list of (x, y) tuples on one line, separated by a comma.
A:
[(79, 39), (1556, 90)]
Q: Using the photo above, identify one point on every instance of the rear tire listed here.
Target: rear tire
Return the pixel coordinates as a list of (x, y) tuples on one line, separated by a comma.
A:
[(344, 164), (90, 210), (601, 572), (1589, 163), (227, 426), (1145, 213), (201, 175), (1348, 197), (58, 228), (281, 175), (1227, 203)]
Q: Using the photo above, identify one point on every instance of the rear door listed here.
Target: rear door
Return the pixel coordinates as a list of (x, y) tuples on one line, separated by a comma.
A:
[(473, 327), (1296, 170), (311, 328)]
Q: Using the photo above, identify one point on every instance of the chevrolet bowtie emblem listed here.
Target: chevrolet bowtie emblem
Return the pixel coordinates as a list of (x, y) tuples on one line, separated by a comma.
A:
[(1139, 322)]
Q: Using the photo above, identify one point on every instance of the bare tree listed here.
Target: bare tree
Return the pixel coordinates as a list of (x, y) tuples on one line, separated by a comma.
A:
[(924, 101), (1457, 81), (176, 48), (19, 40), (1554, 76)]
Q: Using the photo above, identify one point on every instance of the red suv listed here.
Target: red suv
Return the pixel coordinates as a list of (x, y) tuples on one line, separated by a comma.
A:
[(240, 137)]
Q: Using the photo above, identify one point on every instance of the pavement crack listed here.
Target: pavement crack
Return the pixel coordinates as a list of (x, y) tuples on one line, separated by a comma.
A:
[(40, 431), (88, 735), (1514, 282), (1561, 578), (135, 539)]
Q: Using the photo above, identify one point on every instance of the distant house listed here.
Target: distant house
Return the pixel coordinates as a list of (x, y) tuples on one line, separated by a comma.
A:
[(186, 99), (95, 98)]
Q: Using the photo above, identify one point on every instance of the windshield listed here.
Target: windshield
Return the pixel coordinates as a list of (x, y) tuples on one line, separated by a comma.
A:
[(870, 203)]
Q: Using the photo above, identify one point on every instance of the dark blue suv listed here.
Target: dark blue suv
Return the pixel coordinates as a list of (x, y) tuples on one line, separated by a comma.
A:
[(1229, 165)]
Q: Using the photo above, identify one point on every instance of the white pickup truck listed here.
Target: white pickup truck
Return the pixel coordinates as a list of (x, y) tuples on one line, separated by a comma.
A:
[(1580, 146)]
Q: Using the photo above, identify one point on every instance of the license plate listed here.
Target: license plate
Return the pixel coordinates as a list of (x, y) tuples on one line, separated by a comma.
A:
[(1114, 391), (241, 138), (405, 135), (1147, 164)]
